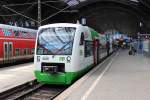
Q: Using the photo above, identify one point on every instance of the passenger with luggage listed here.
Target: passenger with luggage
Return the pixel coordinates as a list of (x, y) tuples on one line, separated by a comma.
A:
[(108, 47), (132, 50)]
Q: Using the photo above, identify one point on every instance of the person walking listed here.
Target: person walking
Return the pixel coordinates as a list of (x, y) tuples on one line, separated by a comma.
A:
[(132, 50)]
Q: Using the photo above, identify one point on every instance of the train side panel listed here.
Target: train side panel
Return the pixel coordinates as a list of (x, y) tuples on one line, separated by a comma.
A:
[(1, 51), (23, 49), (80, 64), (13, 41)]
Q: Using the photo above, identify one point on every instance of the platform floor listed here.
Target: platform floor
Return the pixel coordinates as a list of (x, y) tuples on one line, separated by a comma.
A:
[(124, 77), (15, 75)]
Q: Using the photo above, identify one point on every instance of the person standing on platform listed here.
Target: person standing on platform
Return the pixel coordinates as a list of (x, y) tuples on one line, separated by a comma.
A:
[(132, 50), (108, 47), (140, 46)]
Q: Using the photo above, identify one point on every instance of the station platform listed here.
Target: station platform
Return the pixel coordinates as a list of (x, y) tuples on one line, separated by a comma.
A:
[(13, 76), (119, 77)]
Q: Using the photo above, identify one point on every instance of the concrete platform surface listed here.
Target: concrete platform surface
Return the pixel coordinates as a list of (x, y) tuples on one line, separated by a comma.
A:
[(15, 75), (125, 77)]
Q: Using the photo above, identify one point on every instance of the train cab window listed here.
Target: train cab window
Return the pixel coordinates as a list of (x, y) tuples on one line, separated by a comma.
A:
[(17, 52), (82, 39)]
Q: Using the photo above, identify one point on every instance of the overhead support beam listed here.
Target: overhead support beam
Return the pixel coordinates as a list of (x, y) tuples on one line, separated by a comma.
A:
[(67, 11), (55, 14), (20, 13), (51, 6), (70, 11), (39, 13), (39, 2), (31, 3), (9, 15)]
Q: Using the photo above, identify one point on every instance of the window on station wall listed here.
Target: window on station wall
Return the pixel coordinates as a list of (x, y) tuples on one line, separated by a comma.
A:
[(16, 33), (88, 48), (17, 52)]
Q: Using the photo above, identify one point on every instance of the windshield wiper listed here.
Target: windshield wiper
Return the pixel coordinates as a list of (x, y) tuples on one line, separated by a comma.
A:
[(63, 47)]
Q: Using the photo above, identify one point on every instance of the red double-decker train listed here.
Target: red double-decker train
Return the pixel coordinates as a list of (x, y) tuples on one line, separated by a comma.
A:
[(16, 43)]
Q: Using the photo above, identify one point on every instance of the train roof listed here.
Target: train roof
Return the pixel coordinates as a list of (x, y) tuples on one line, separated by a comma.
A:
[(60, 25), (17, 28)]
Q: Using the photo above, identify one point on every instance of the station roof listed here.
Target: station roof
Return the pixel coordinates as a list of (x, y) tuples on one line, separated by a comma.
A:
[(63, 10), (9, 8)]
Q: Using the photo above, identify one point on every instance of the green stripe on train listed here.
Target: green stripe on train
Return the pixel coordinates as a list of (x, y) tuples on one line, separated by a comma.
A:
[(60, 78), (94, 33)]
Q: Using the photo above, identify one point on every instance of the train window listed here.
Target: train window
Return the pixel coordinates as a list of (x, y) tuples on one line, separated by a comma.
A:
[(5, 47), (24, 34), (10, 50), (6, 50), (16, 33), (17, 52), (88, 48), (56, 41), (82, 39), (32, 51), (25, 52), (7, 32), (28, 51)]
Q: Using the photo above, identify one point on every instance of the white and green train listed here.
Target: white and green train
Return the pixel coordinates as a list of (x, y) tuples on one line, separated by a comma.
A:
[(66, 51)]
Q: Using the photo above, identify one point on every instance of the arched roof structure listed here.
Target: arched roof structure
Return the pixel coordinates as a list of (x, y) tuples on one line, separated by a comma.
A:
[(134, 13)]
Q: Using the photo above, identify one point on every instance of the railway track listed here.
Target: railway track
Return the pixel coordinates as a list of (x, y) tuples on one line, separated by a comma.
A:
[(32, 91)]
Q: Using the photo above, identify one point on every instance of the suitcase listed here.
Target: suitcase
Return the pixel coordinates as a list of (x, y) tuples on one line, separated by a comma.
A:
[(130, 52)]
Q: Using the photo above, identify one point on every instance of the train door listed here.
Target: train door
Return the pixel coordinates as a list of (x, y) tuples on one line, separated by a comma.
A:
[(82, 47), (98, 49), (95, 51), (8, 50), (5, 51)]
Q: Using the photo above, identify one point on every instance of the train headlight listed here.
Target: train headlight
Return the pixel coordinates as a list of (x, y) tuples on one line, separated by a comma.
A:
[(50, 69), (68, 59)]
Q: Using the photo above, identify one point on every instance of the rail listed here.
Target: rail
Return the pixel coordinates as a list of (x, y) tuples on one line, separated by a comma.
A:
[(32, 91)]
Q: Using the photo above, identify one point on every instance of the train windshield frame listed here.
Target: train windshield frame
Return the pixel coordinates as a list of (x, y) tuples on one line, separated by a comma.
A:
[(56, 41)]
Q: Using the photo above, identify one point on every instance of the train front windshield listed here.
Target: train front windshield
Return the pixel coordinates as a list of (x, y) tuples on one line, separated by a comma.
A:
[(56, 41)]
